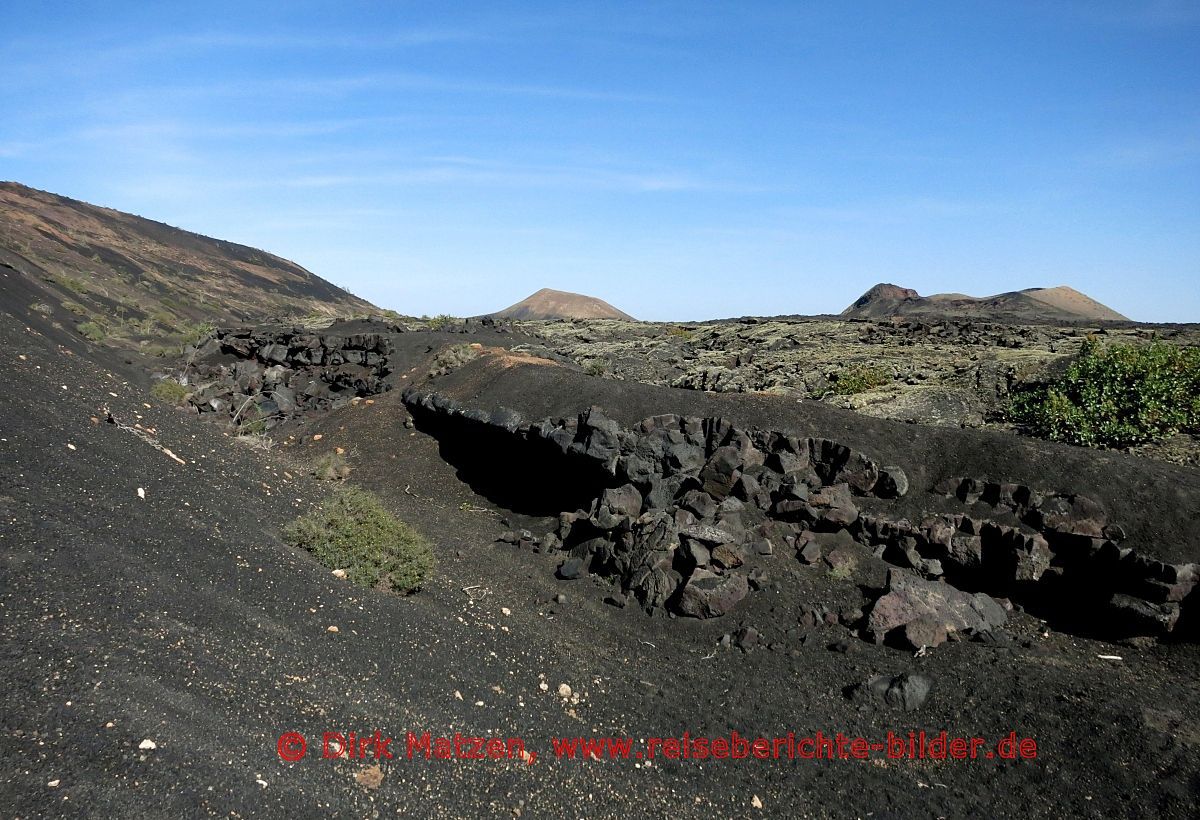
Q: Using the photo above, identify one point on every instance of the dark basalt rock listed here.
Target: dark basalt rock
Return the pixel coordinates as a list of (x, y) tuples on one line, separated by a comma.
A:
[(280, 374), (909, 598), (572, 569), (907, 691), (686, 505), (707, 595)]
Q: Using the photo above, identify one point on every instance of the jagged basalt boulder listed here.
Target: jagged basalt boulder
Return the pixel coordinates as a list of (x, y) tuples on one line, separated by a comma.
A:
[(909, 598), (708, 595), (907, 691)]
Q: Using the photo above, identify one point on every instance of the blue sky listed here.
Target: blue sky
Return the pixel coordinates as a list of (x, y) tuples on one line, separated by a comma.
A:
[(681, 160)]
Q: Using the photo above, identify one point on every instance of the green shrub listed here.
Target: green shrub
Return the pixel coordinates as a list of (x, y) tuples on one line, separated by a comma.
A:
[(145, 327), (352, 530), (858, 379), (440, 322), (253, 427), (195, 333), (454, 357), (169, 391), (1115, 396), (73, 284), (596, 367), (681, 333), (92, 331), (249, 419), (159, 350)]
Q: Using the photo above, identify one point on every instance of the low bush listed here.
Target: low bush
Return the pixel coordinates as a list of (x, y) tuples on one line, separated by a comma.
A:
[(440, 322), (169, 391), (73, 283), (453, 358), (597, 367), (249, 419), (195, 333), (253, 427), (92, 331), (1115, 395), (353, 531), (331, 467), (858, 379)]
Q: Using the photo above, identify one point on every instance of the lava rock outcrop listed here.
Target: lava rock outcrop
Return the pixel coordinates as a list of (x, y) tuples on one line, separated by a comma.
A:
[(690, 507), (265, 376)]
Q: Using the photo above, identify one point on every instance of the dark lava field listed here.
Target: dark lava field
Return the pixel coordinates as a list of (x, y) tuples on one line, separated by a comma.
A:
[(938, 618)]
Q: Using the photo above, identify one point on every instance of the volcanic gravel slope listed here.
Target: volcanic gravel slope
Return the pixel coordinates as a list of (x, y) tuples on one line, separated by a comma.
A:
[(135, 279), (181, 618)]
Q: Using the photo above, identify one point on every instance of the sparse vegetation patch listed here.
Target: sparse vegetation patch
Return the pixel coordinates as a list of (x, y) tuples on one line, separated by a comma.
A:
[(596, 367), (169, 391), (352, 530), (331, 467), (441, 321), (859, 379), (454, 357), (91, 331)]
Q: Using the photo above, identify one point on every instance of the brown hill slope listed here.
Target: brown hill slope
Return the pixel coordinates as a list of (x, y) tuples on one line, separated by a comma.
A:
[(1060, 303), (131, 281), (559, 304)]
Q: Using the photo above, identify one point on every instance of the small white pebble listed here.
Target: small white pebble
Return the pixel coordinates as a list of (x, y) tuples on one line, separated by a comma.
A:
[(53, 783), (564, 691), (147, 744), (503, 610), (332, 629)]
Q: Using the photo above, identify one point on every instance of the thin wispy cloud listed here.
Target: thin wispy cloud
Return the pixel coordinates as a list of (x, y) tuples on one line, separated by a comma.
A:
[(515, 177), (193, 130), (324, 85), (206, 40), (218, 40)]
